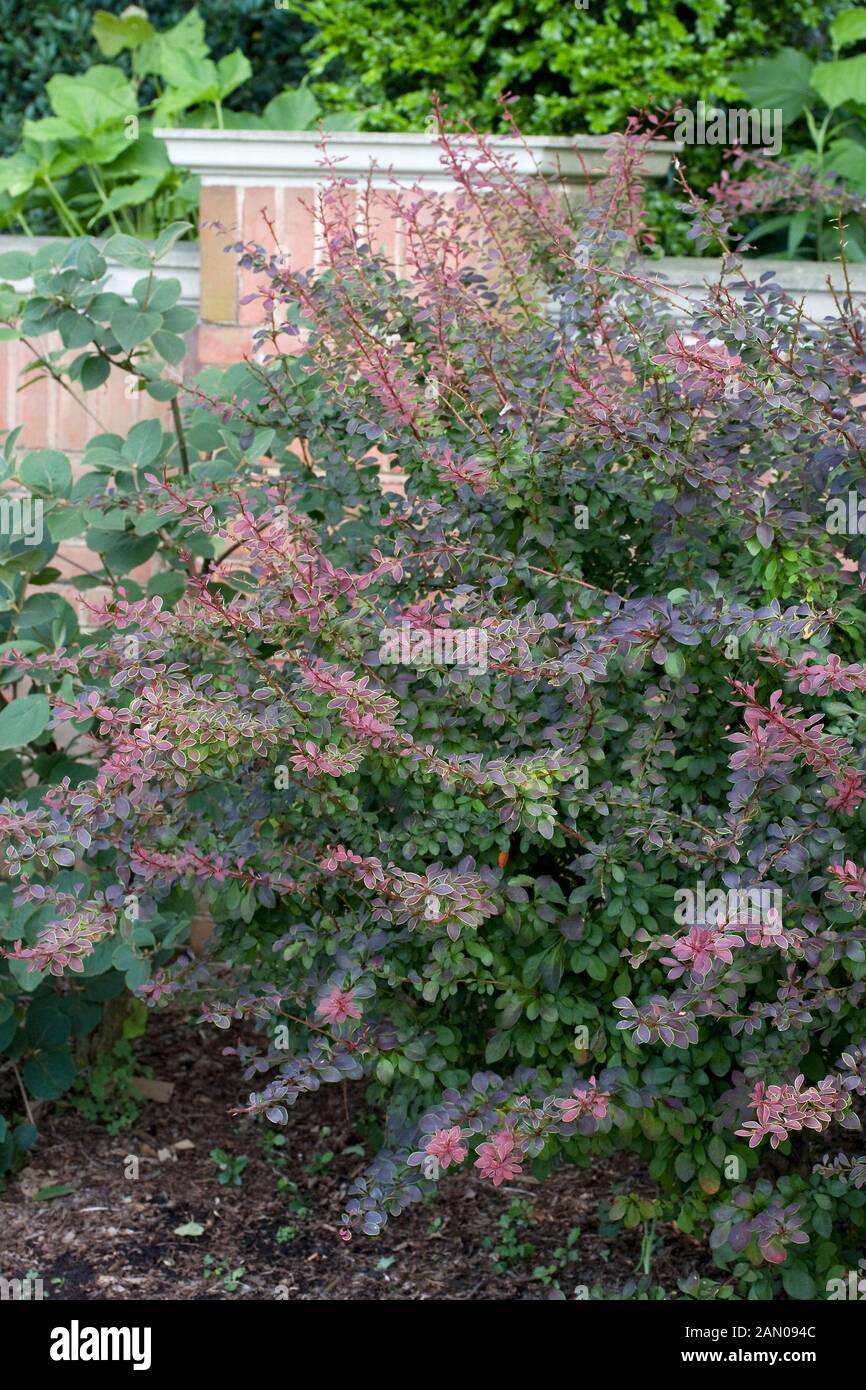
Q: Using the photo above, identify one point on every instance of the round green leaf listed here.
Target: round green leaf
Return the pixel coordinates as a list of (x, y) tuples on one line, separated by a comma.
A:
[(48, 1074), (23, 720), (797, 1283), (47, 1026), (47, 471), (94, 371), (675, 665)]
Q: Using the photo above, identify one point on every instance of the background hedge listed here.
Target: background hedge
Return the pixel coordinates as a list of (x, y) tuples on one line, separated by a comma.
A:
[(571, 69)]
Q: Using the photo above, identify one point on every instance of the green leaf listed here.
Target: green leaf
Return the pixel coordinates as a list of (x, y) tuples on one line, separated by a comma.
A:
[(48, 1075), (192, 1228), (49, 129), (684, 1167), (797, 1283), (841, 82), (156, 294), (497, 1047), (848, 27), (93, 99), (162, 390), (170, 348), (797, 229), (781, 81), (26, 979), (18, 174), (114, 33), (232, 71), (170, 234), (25, 1136), (187, 34), (48, 472), (63, 525), (709, 1179), (344, 120), (94, 372), (128, 195), (128, 251), (57, 1189), (125, 552), (823, 1223), (76, 330), (132, 326), (293, 109), (179, 320), (169, 587), (46, 1026), (143, 444), (89, 261), (24, 720), (15, 265), (195, 78), (847, 158)]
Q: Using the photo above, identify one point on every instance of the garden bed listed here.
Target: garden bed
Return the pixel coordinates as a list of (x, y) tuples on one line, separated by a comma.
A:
[(115, 1238)]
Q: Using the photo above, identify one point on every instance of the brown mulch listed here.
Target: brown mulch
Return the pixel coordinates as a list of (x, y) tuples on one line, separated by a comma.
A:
[(114, 1236)]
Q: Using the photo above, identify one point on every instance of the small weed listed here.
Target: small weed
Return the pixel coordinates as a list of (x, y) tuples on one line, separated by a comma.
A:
[(231, 1167), (230, 1278), (563, 1256), (104, 1091), (509, 1249)]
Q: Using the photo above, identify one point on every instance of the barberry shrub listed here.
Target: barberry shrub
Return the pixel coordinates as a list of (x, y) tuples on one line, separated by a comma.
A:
[(527, 791)]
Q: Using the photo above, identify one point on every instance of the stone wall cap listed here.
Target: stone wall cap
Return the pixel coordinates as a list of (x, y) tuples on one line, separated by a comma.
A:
[(791, 275), (295, 157)]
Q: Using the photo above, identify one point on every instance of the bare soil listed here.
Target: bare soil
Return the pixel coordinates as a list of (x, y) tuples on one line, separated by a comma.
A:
[(115, 1236)]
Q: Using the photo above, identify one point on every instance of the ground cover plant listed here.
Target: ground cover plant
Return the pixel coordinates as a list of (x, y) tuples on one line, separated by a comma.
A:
[(527, 799)]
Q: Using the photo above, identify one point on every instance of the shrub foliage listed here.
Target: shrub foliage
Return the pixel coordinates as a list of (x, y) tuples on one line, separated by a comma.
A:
[(527, 796)]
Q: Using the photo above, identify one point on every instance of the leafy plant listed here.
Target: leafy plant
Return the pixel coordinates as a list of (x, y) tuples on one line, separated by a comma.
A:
[(94, 163), (570, 69), (231, 1167), (229, 1277), (508, 1247), (39, 41), (827, 101), (563, 1256), (633, 1211), (104, 1092), (41, 1026), (446, 760)]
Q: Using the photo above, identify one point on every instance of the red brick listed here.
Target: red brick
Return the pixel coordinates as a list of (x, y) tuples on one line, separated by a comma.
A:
[(218, 268), (32, 405), (297, 234), (220, 345), (378, 223), (257, 204)]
